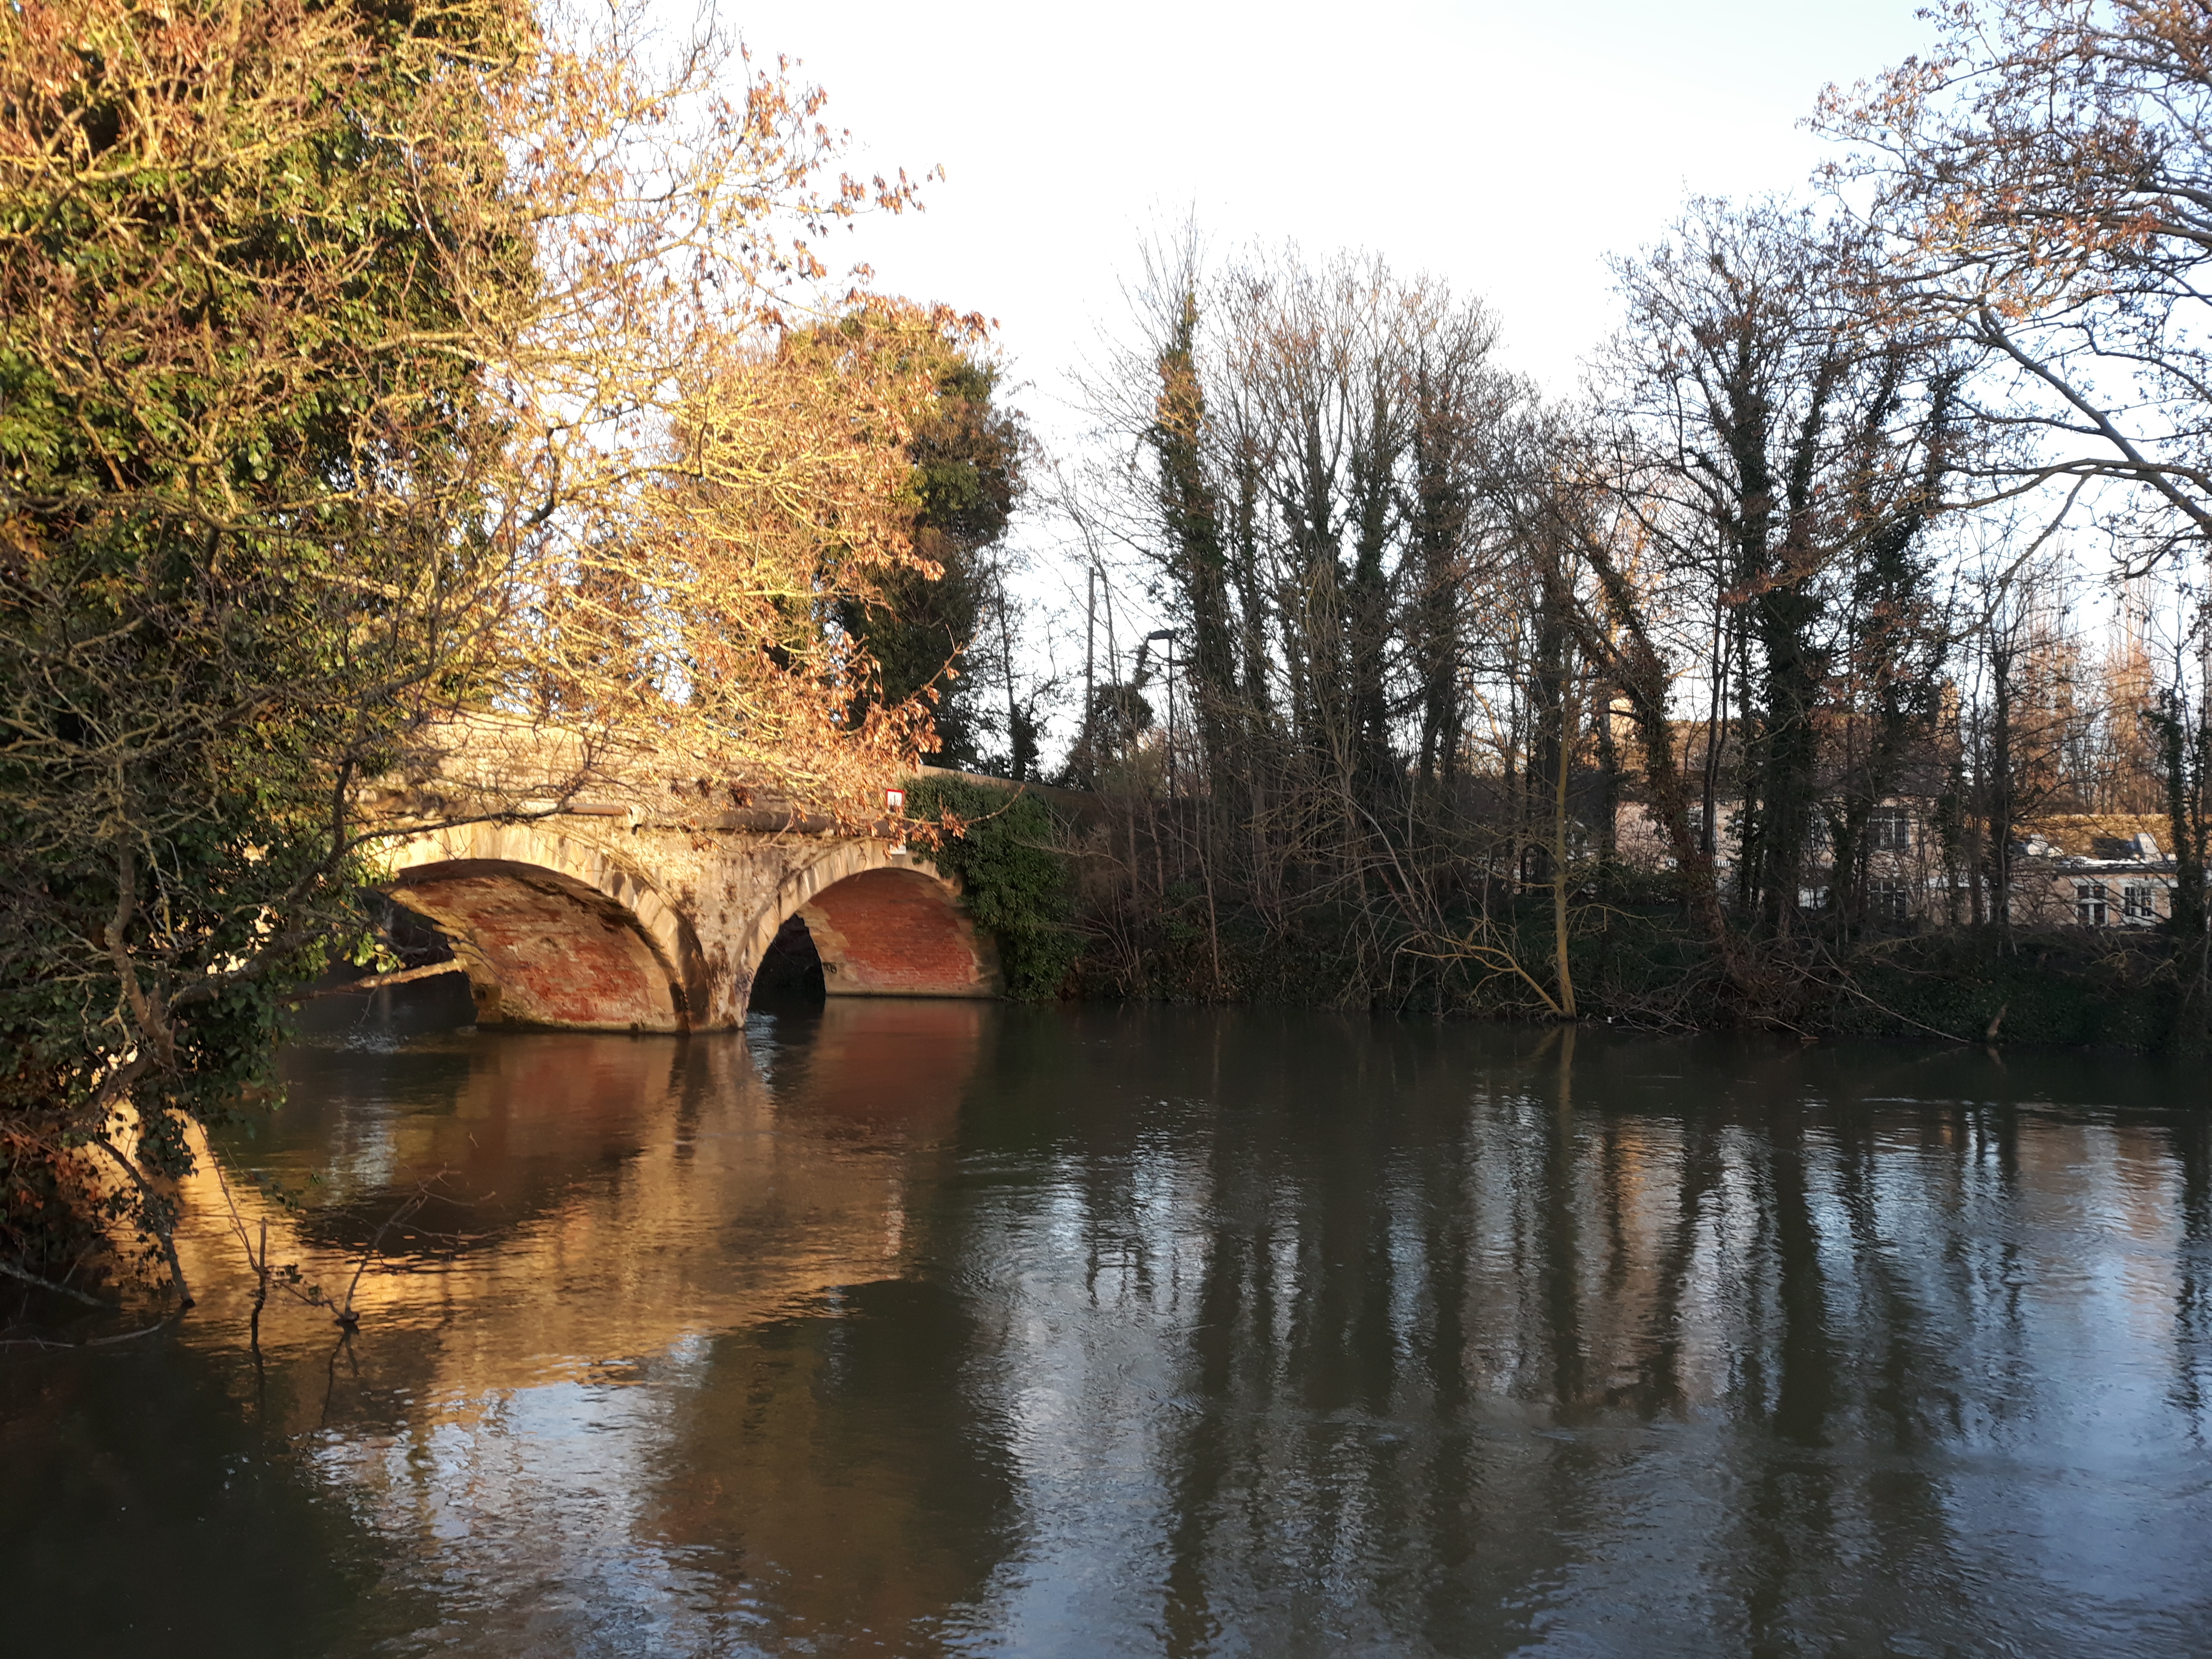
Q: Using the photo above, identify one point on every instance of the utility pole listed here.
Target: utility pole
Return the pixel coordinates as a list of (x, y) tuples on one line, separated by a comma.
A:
[(1171, 715), (1168, 635), (1006, 661), (1090, 673)]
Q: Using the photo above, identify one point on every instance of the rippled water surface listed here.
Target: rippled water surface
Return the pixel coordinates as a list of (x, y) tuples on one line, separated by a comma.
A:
[(942, 1327)]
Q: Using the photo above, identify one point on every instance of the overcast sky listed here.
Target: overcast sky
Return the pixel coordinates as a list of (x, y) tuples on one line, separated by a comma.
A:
[(1506, 148)]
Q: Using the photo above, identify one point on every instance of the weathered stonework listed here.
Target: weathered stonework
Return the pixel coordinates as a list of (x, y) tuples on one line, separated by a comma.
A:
[(593, 919), (889, 933)]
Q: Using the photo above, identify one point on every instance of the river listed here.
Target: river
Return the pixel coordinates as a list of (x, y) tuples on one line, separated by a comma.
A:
[(942, 1327)]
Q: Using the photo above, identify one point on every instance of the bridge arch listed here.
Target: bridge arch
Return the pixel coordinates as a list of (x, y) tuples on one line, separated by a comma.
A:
[(554, 930), (883, 925)]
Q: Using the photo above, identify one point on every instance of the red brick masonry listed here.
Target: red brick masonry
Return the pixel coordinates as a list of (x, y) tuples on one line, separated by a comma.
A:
[(560, 959), (895, 932)]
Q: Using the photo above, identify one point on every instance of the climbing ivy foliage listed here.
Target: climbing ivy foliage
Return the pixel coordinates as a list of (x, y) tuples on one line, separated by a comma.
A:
[(1005, 849), (243, 435), (368, 368), (926, 625)]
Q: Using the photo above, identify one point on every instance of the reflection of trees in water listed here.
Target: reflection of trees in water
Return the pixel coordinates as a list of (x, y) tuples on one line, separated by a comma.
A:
[(836, 1463), (1268, 1334), (140, 1521), (1431, 1336), (2192, 1381)]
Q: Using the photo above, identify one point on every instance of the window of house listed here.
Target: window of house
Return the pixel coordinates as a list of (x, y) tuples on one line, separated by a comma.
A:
[(2089, 901), (1890, 901), (1890, 830), (2139, 901)]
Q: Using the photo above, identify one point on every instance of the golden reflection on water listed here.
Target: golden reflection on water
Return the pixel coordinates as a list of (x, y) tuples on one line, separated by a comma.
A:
[(935, 1328), (609, 1194)]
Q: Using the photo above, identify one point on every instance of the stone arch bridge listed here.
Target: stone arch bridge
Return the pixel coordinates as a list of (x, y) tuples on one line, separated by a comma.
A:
[(606, 916)]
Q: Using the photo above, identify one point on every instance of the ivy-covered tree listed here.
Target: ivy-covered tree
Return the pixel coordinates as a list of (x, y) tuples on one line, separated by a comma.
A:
[(364, 365), (243, 437), (941, 629), (1006, 849)]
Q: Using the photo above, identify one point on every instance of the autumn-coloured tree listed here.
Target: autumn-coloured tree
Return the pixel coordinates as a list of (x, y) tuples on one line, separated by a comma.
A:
[(2041, 184), (686, 605), (363, 369)]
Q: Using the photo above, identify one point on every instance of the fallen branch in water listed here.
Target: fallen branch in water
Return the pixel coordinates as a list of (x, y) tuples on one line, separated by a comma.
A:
[(425, 1190), (263, 1276), (74, 1294), (381, 981), (346, 1316)]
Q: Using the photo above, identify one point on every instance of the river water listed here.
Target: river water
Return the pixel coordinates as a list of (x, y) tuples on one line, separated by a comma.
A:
[(951, 1328)]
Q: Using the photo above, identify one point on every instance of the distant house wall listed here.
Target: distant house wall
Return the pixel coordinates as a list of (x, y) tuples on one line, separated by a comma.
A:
[(2081, 893), (1641, 841), (2085, 871)]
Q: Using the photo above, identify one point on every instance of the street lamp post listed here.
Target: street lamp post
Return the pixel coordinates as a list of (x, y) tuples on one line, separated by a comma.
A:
[(1168, 635)]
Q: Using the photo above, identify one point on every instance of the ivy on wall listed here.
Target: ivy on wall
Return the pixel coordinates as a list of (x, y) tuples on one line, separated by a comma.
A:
[(1005, 849)]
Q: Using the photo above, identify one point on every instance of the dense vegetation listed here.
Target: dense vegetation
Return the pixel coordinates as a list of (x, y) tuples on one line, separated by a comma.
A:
[(240, 456), (1775, 645), (1006, 849), (941, 630), (366, 368)]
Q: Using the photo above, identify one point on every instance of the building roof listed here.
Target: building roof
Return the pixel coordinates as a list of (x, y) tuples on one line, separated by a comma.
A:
[(2103, 836)]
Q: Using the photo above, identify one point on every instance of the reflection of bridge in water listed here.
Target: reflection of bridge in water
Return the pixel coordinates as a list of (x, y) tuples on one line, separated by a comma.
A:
[(592, 1168), (662, 1265), (650, 904)]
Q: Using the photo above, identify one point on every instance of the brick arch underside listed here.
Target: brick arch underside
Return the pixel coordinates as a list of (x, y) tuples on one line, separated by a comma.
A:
[(545, 948), (885, 930)]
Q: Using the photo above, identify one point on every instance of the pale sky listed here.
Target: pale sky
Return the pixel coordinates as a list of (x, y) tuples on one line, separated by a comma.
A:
[(1506, 148)]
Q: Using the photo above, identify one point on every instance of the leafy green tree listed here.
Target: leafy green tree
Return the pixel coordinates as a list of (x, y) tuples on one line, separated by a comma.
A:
[(939, 632), (242, 436)]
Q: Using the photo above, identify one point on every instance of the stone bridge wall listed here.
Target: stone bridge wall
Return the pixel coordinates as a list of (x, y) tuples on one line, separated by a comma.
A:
[(594, 919)]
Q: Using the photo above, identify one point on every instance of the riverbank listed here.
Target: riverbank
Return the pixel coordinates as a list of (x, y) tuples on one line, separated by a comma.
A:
[(2051, 988), (1088, 908)]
